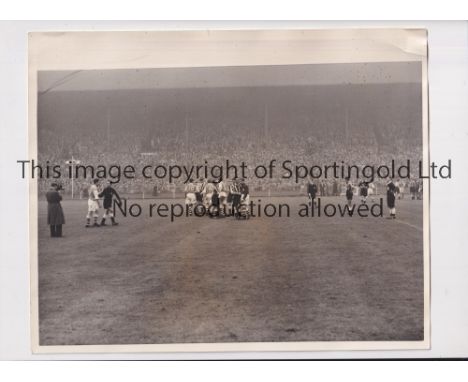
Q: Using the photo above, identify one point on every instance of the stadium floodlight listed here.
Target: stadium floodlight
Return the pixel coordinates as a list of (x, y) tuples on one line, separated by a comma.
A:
[(73, 162)]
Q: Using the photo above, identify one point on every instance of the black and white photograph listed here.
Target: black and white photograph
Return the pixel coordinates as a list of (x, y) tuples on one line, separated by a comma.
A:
[(240, 205)]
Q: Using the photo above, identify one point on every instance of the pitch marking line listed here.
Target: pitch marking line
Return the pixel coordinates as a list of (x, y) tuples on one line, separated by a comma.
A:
[(408, 224)]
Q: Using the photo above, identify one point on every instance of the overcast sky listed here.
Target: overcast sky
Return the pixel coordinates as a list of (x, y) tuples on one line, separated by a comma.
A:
[(172, 78)]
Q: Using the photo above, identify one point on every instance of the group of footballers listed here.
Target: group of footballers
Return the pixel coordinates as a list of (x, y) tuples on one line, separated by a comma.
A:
[(220, 198), (217, 197), (231, 198), (366, 189)]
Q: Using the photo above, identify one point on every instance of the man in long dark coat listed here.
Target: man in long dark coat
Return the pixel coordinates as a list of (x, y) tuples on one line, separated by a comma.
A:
[(55, 217)]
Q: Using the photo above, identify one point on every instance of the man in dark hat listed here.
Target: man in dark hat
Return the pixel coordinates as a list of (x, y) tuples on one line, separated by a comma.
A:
[(55, 217)]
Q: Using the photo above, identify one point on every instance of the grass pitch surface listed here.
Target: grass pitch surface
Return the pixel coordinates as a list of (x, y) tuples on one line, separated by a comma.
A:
[(150, 280)]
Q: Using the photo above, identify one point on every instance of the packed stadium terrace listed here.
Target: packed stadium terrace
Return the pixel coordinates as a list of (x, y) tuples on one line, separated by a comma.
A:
[(360, 124), (252, 147)]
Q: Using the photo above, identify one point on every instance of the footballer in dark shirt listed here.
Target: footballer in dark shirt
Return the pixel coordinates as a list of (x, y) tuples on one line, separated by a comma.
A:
[(363, 190), (391, 191), (312, 192), (108, 194)]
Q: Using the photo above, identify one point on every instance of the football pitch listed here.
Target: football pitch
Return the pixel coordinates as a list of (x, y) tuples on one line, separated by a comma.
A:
[(196, 279)]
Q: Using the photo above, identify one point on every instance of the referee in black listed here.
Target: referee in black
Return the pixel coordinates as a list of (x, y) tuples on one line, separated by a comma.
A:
[(312, 192), (108, 193)]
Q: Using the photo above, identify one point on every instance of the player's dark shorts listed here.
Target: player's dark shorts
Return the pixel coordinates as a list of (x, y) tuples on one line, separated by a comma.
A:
[(229, 198), (215, 200), (199, 197), (236, 200), (349, 195), (397, 190), (107, 203), (364, 192), (390, 199)]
